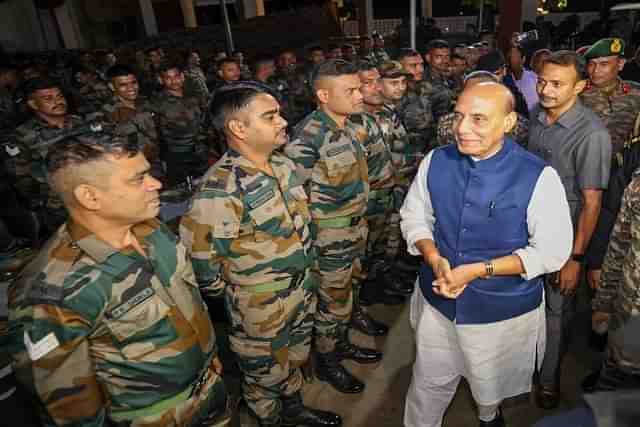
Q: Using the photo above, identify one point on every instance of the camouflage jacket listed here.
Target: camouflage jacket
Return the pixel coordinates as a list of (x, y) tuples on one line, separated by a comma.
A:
[(416, 113), (334, 165), (379, 162), (617, 108), (248, 228), (95, 330), (520, 132), (619, 292), (26, 158), (294, 94), (406, 152), (134, 123), (91, 97), (377, 57), (180, 123), (440, 92), (195, 84)]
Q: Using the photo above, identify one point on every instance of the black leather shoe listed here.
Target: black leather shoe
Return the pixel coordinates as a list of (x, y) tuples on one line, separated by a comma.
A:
[(498, 421), (346, 350), (329, 370), (361, 321), (294, 413), (547, 397), (589, 382)]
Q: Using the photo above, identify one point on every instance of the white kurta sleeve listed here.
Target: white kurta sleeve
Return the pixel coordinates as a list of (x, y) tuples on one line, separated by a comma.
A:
[(550, 227), (416, 214)]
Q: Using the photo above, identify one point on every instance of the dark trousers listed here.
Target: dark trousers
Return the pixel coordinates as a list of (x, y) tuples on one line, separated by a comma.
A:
[(561, 310)]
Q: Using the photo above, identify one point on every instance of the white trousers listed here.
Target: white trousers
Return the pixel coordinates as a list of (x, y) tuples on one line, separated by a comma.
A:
[(497, 359)]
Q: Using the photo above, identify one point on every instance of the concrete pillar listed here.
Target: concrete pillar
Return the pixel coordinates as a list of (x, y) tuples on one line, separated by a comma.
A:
[(189, 14), (149, 18), (365, 17), (260, 7), (68, 23), (427, 8), (529, 10), (253, 8)]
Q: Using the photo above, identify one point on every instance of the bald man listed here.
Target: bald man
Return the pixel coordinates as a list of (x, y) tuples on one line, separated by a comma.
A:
[(478, 311)]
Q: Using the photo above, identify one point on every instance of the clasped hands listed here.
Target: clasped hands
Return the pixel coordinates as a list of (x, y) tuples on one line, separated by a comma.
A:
[(450, 283)]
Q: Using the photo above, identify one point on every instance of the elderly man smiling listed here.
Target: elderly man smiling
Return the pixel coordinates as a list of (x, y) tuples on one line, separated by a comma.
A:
[(489, 219)]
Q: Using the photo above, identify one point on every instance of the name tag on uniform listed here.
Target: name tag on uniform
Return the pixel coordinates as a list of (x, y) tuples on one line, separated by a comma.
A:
[(41, 348), (332, 152), (137, 299)]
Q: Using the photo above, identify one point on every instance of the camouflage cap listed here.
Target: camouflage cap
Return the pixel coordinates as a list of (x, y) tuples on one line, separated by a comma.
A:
[(392, 70), (605, 47)]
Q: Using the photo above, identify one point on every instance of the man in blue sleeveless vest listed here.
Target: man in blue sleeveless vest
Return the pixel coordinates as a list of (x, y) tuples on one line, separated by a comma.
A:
[(489, 219)]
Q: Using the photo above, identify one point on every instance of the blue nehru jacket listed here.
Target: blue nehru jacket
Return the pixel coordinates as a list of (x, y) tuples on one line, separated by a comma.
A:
[(480, 209)]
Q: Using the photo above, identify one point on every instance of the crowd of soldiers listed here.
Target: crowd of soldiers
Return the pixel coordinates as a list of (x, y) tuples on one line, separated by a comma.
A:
[(294, 176)]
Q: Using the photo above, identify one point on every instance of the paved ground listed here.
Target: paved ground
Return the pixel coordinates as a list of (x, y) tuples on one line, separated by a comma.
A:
[(382, 403)]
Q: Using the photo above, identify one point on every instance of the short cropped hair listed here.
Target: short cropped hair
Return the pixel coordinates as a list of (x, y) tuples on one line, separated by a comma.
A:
[(260, 60), (437, 44), (315, 48), (39, 83), (406, 52), (364, 65), (170, 65), (333, 68), (569, 58), (234, 97), (119, 70), (227, 60), (65, 158)]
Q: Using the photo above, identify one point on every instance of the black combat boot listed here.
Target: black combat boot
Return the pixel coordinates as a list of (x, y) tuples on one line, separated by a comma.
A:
[(346, 350), (364, 323), (328, 369), (294, 413)]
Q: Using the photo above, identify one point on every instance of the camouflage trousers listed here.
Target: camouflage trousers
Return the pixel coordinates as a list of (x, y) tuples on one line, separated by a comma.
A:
[(271, 336), (340, 253), (206, 405), (392, 227), (378, 211)]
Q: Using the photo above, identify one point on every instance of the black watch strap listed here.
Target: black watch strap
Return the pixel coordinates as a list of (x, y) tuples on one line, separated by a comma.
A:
[(577, 257)]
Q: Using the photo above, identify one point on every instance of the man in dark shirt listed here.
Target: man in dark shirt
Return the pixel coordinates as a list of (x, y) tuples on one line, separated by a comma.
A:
[(574, 141)]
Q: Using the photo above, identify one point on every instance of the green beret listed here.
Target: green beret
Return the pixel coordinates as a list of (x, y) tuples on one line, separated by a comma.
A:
[(605, 47)]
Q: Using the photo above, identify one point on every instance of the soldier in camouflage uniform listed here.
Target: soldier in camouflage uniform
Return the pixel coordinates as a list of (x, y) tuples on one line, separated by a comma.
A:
[(411, 122), (328, 148), (131, 115), (181, 125), (615, 101), (289, 81), (617, 301), (379, 100), (149, 77), (195, 82), (91, 92), (438, 87), (248, 229), (107, 324), (445, 133), (29, 146)]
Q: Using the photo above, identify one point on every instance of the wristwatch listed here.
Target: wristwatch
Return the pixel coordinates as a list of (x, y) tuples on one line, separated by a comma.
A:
[(577, 258), (488, 268)]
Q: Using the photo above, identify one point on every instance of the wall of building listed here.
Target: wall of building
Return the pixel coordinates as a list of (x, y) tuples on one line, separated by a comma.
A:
[(22, 29)]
